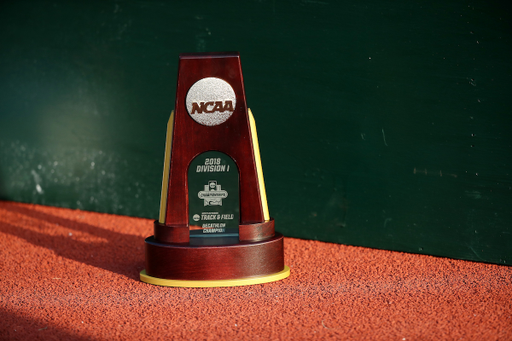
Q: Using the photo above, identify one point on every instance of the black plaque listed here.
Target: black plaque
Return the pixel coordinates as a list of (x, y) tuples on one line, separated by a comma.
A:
[(213, 194)]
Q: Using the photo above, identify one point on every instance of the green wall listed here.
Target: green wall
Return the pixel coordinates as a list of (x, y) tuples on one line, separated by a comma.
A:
[(382, 124)]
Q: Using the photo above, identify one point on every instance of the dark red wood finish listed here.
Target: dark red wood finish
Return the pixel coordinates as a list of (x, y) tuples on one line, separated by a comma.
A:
[(259, 251), (186, 262), (248, 233), (171, 234), (257, 232), (232, 137)]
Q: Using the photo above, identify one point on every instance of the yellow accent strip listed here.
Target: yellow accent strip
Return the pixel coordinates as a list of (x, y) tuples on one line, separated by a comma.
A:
[(167, 164), (259, 169), (215, 284)]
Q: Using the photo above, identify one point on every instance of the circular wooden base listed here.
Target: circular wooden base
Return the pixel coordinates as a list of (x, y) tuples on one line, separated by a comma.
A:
[(215, 284), (242, 260)]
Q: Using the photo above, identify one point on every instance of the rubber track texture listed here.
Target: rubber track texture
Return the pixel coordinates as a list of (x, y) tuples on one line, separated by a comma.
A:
[(74, 275)]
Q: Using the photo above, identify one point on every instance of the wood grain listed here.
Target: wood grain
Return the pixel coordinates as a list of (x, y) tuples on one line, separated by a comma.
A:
[(186, 262)]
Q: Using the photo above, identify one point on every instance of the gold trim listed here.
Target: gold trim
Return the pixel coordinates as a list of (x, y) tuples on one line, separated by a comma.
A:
[(215, 283), (167, 164), (259, 169)]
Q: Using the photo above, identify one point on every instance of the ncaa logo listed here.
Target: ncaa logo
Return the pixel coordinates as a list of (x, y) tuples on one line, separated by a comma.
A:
[(210, 101)]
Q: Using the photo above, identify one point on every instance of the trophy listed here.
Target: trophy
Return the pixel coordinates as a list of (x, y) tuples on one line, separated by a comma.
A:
[(214, 227)]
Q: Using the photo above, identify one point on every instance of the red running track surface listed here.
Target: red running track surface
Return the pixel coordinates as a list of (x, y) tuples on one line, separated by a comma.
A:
[(74, 275)]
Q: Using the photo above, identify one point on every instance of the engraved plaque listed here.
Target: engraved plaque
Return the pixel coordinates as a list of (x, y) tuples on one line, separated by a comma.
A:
[(213, 196)]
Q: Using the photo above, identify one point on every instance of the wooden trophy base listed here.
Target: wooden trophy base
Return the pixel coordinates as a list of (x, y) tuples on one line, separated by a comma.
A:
[(190, 264)]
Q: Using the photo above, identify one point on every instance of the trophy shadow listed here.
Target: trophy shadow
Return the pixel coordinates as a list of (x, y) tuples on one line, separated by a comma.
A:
[(19, 326), (99, 247)]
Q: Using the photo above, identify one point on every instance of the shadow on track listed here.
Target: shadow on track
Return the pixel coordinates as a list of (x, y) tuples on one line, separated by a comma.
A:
[(116, 252)]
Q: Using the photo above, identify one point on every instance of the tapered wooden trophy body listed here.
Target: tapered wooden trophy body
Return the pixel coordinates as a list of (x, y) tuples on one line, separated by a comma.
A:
[(214, 227)]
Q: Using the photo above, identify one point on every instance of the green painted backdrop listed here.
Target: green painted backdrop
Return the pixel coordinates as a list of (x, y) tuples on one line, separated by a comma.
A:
[(382, 123)]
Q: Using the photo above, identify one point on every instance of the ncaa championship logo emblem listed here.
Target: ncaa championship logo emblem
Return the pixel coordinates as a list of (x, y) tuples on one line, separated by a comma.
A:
[(210, 101), (212, 194)]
